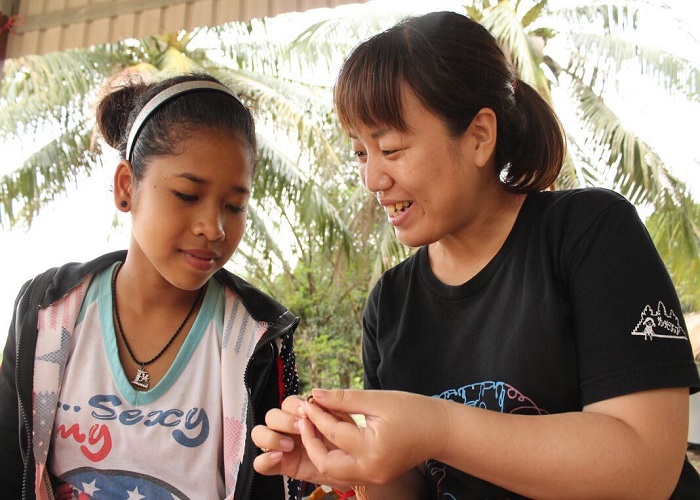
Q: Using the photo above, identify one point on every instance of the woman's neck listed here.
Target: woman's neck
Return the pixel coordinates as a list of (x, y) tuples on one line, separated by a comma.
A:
[(458, 257)]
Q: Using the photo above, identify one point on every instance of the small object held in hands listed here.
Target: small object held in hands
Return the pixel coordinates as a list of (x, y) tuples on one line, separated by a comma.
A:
[(345, 417)]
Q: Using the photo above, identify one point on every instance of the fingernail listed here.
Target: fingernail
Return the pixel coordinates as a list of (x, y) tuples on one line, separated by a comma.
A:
[(320, 394), (286, 444), (275, 455), (295, 424)]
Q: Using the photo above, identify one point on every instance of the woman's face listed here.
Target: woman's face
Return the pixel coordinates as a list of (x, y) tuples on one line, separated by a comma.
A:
[(427, 181), (189, 210)]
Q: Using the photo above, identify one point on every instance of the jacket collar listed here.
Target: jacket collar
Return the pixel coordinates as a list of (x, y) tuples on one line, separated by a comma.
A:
[(261, 306)]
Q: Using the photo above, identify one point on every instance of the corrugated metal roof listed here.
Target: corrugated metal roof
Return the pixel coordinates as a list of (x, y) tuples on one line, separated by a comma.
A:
[(52, 25)]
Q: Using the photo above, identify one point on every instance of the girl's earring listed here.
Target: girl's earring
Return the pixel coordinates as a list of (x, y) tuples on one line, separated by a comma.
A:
[(124, 204)]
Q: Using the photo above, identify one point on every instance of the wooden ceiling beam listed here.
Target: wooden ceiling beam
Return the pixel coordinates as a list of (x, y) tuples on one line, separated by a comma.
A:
[(56, 25), (87, 13)]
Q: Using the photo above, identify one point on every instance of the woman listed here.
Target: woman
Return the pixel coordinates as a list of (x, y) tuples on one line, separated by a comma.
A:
[(534, 345)]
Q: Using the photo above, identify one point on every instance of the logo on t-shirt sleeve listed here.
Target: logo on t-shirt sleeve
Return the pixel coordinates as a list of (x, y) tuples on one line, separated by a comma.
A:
[(659, 324)]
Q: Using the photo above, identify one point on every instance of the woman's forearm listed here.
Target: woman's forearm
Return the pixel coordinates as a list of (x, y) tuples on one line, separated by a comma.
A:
[(629, 446), (626, 447)]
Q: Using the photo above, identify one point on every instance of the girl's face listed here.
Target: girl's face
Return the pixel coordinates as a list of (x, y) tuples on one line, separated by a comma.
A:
[(189, 210), (429, 183)]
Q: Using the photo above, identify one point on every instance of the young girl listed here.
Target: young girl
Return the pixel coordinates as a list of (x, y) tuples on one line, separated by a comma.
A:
[(534, 345), (140, 374)]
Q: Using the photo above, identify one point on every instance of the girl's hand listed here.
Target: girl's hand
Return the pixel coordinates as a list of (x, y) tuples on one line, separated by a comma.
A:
[(283, 451), (402, 430)]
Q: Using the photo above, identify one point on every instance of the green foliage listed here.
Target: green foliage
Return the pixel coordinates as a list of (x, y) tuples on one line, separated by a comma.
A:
[(671, 234), (329, 302)]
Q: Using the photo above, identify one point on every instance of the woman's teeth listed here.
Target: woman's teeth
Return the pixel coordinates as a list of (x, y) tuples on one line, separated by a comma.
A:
[(401, 206)]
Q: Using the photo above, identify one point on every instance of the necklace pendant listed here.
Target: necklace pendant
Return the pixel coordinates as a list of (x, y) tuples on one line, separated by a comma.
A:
[(142, 378)]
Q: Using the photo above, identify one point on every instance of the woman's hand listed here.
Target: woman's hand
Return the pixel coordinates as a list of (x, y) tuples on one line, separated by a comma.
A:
[(401, 431)]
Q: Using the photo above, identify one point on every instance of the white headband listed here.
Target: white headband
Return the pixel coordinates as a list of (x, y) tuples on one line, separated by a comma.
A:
[(164, 96)]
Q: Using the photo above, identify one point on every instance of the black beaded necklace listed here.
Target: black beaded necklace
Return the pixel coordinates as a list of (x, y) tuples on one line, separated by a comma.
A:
[(142, 378)]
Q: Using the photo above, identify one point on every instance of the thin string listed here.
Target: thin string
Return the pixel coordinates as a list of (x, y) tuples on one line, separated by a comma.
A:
[(11, 22), (121, 330)]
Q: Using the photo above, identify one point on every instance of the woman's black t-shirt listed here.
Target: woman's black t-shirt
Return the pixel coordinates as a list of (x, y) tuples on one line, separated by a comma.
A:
[(576, 307)]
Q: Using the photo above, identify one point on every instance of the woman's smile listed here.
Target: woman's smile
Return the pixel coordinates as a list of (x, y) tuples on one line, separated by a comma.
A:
[(398, 212)]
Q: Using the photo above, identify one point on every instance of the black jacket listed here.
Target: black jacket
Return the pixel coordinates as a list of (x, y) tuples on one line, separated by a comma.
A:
[(17, 465)]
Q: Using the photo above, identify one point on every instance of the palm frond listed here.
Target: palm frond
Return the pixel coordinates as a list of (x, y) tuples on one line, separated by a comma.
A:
[(59, 76), (42, 90), (335, 36), (176, 62), (637, 164), (602, 38), (390, 251), (297, 111), (374, 237), (503, 23), (534, 13), (288, 184), (604, 57), (577, 170), (675, 229), (261, 243), (46, 174), (259, 49), (29, 116)]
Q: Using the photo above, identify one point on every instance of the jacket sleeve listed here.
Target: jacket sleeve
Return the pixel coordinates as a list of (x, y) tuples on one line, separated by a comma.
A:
[(288, 376), (289, 380), (282, 382), (11, 463)]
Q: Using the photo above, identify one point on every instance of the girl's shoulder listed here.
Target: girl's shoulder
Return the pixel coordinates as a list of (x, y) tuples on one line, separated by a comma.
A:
[(54, 283), (260, 305)]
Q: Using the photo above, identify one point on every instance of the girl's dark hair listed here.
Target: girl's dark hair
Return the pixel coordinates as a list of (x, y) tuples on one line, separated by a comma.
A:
[(172, 121), (455, 67)]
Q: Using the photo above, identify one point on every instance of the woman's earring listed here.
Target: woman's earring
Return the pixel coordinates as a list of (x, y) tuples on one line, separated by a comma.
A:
[(124, 204)]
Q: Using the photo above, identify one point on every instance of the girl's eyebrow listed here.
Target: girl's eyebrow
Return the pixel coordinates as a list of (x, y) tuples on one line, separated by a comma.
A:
[(192, 177), (200, 181)]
